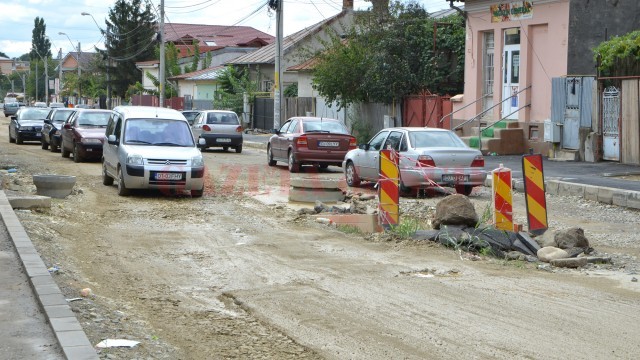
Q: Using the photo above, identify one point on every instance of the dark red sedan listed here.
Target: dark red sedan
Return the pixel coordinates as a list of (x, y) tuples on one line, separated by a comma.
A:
[(310, 141), (83, 134)]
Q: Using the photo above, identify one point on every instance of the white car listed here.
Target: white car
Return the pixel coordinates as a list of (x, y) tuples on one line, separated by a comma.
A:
[(219, 128), (428, 158), (151, 148)]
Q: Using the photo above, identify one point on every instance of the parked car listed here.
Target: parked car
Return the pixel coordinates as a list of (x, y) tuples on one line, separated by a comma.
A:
[(191, 115), (50, 138), (310, 141), (151, 148), (56, 105), (10, 108), (219, 128), (428, 158), (26, 124), (83, 134)]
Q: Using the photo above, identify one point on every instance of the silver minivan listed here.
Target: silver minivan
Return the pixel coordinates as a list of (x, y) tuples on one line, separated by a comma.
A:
[(151, 148)]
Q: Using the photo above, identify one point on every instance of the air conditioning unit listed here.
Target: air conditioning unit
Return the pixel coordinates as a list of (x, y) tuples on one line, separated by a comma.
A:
[(551, 131)]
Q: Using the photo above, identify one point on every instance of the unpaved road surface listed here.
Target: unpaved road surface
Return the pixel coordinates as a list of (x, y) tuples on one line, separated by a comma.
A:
[(228, 276)]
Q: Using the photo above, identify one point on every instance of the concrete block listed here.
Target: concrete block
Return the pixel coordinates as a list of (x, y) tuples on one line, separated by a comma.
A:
[(570, 189), (317, 183), (620, 198), (367, 223), (551, 187), (605, 195), (72, 338), (29, 201), (591, 192), (65, 324), (81, 353), (311, 195), (633, 199)]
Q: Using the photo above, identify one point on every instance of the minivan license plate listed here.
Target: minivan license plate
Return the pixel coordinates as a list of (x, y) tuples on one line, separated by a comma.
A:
[(168, 176), (328, 143), (224, 140), (455, 177)]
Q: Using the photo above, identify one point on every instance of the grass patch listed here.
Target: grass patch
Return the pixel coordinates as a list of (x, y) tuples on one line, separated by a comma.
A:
[(349, 229), (406, 228)]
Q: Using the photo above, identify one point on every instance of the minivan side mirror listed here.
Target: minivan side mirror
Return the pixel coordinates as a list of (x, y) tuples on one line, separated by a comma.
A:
[(47, 121), (111, 139), (364, 147), (275, 131)]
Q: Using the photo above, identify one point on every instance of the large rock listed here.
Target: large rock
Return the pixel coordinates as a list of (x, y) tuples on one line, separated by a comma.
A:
[(455, 209), (571, 238), (549, 253)]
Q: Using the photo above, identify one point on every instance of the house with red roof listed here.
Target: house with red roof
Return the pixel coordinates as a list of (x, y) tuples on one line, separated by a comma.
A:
[(219, 43)]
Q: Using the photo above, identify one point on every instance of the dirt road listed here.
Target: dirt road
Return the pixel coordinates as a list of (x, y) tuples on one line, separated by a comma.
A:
[(227, 276)]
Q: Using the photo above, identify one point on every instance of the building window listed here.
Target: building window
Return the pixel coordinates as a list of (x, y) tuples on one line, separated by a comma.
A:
[(487, 71), (267, 85)]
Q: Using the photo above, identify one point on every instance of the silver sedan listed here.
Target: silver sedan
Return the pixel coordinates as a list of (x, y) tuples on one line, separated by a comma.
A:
[(428, 158)]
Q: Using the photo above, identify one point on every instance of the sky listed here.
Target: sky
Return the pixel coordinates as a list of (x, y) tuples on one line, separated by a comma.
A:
[(66, 16)]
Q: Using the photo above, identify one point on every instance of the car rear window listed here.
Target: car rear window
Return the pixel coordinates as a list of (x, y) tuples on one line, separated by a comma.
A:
[(222, 118), (420, 139), (333, 127)]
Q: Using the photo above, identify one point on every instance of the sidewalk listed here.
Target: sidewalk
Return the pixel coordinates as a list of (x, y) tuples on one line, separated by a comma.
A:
[(37, 322)]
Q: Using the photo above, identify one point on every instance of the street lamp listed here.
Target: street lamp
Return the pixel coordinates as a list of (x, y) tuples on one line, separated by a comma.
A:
[(79, 52), (46, 78), (106, 49)]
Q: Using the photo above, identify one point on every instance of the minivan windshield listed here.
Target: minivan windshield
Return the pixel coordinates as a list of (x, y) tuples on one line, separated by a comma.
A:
[(159, 132)]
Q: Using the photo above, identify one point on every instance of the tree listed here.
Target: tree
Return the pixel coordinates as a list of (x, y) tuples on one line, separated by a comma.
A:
[(130, 34), (384, 59), (40, 44), (619, 56), (3, 55), (234, 83), (40, 50)]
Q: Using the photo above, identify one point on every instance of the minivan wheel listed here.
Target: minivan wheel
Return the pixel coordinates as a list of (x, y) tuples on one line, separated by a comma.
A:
[(122, 189), (53, 148), (11, 140), (19, 139), (464, 189), (239, 149), (106, 179), (197, 193), (294, 167)]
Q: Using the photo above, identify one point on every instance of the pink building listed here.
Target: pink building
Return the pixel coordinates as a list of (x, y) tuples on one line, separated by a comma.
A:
[(513, 50)]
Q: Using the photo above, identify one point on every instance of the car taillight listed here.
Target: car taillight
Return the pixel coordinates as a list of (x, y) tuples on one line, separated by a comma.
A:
[(239, 129), (353, 143), (478, 161), (426, 161), (301, 141), (206, 127)]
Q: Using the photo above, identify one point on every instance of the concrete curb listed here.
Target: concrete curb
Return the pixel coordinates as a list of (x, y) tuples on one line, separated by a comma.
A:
[(254, 144), (605, 195), (66, 327)]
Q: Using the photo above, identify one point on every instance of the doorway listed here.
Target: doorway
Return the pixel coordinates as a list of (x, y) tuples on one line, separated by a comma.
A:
[(511, 74)]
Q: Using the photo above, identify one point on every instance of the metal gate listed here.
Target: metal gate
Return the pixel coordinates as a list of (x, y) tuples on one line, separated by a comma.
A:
[(570, 130), (571, 100), (611, 123)]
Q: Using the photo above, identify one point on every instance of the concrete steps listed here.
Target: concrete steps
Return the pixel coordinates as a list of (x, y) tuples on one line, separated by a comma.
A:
[(504, 138)]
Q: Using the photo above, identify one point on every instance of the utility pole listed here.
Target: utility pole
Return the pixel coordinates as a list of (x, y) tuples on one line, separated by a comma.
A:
[(161, 70), (277, 101), (79, 53), (60, 75), (36, 81), (46, 80)]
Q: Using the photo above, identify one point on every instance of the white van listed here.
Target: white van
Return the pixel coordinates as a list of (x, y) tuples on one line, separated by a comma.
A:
[(151, 148)]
